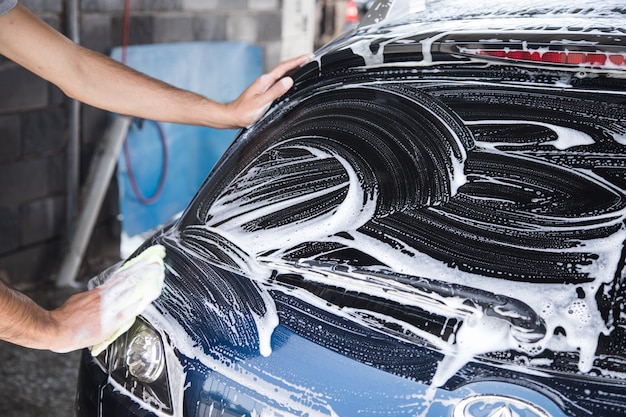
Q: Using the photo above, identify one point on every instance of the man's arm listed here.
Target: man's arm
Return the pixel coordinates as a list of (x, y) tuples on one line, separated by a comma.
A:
[(20, 317), (99, 81), (74, 325), (88, 318)]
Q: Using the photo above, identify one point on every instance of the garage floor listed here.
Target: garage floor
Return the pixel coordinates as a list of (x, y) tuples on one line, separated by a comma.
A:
[(37, 383)]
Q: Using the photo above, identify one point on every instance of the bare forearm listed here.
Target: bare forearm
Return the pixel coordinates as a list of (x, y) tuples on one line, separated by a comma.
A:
[(107, 84), (110, 85), (87, 318), (97, 80), (22, 321)]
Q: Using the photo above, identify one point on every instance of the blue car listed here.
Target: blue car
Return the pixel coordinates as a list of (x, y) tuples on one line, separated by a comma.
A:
[(431, 223)]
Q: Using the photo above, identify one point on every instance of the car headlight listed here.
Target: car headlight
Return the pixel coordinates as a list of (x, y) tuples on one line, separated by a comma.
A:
[(144, 355), (136, 363)]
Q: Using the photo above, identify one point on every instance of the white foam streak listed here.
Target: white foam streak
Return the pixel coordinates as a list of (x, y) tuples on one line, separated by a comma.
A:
[(566, 137), (479, 333), (298, 399), (351, 211)]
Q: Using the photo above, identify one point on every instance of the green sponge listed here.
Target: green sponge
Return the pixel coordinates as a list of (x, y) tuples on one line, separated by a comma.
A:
[(128, 292)]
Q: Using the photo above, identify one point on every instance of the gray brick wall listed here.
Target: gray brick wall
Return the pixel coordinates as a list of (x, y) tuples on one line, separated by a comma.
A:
[(34, 125)]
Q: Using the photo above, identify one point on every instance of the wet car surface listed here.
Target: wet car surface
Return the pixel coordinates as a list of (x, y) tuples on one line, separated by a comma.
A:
[(431, 223)]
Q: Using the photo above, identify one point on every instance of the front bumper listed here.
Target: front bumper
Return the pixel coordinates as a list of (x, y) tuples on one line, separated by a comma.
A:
[(301, 378), (96, 397)]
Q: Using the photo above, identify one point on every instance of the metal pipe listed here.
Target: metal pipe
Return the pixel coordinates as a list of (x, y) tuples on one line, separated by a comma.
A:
[(73, 146), (100, 174)]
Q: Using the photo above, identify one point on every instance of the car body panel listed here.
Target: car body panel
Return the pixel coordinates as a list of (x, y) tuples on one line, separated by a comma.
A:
[(413, 230), (344, 386)]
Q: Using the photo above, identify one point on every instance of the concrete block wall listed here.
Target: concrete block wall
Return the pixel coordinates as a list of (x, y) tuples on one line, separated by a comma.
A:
[(34, 119)]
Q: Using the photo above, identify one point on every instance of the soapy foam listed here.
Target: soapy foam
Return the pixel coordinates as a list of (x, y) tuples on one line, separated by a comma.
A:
[(479, 334), (582, 326), (566, 137), (128, 292), (561, 306)]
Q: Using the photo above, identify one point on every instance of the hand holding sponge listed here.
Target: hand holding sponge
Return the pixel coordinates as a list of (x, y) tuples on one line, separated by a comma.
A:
[(128, 292)]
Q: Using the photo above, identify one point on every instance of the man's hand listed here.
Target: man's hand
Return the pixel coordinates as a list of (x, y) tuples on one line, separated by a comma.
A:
[(99, 81), (255, 100), (94, 317), (76, 324), (98, 317), (72, 326)]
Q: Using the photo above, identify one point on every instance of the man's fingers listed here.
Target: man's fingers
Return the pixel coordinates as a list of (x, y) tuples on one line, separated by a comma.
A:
[(265, 99), (277, 90), (286, 66), (271, 78), (256, 99)]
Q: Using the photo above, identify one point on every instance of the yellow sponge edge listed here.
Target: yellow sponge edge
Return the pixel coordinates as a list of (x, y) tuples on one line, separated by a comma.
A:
[(129, 291)]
